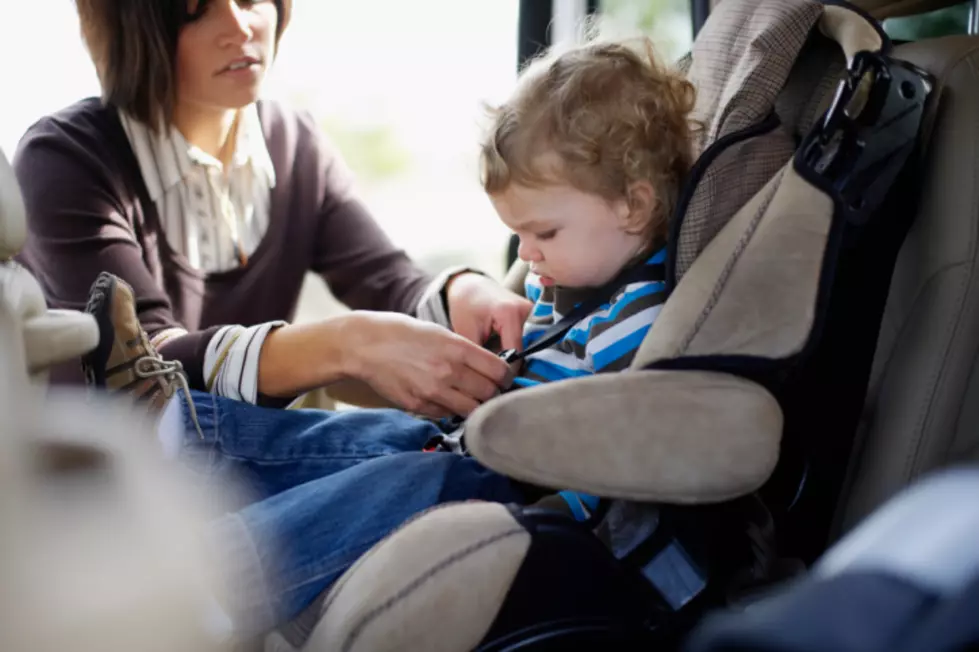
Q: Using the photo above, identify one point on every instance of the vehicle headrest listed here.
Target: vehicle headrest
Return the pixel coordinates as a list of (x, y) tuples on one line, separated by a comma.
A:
[(13, 218), (881, 9)]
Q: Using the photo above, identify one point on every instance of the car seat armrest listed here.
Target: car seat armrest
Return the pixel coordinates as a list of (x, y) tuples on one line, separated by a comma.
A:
[(658, 436), (454, 564), (57, 336)]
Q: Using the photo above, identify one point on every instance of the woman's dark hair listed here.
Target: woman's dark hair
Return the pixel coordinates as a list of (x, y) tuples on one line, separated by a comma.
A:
[(133, 44)]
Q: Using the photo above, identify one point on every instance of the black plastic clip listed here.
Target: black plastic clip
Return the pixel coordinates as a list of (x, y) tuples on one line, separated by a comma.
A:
[(868, 132)]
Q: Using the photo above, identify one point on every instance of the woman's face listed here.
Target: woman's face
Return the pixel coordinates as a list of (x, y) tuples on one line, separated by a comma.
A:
[(224, 53)]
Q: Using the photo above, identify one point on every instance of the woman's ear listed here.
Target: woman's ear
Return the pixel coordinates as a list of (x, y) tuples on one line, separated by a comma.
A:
[(640, 200)]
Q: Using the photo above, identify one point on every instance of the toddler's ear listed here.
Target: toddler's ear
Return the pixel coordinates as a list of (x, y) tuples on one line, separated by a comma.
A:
[(638, 206)]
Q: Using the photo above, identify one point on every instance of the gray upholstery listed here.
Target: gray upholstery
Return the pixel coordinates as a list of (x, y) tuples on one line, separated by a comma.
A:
[(922, 410)]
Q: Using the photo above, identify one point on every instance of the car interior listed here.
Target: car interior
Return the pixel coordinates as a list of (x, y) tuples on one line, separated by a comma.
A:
[(816, 357)]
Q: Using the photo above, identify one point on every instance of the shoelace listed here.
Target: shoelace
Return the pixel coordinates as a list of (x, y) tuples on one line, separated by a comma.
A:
[(172, 371)]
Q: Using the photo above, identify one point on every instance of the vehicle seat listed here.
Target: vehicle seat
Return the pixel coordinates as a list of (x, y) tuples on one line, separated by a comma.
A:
[(95, 551), (922, 407)]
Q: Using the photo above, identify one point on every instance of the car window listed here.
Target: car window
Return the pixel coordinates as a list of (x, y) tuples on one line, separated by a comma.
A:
[(944, 22)]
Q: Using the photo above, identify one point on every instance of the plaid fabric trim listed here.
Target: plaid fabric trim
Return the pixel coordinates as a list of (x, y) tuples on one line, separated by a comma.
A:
[(740, 64)]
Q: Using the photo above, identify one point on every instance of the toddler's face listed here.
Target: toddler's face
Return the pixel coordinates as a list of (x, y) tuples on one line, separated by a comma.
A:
[(570, 237)]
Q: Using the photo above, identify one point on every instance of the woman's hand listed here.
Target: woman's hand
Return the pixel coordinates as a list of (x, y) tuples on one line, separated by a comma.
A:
[(479, 307), (421, 366)]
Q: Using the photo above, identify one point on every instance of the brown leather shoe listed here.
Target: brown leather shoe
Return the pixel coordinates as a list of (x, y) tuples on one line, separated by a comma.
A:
[(125, 360)]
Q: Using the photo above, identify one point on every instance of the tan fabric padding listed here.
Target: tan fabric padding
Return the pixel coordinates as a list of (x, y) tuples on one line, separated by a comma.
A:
[(13, 217), (922, 407), (57, 336), (753, 290), (21, 292), (881, 9), (739, 64), (850, 30), (47, 337), (436, 584), (652, 436), (812, 84)]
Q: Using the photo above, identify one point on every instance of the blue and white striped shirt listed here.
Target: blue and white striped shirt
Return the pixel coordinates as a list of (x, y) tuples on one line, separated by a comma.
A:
[(605, 340)]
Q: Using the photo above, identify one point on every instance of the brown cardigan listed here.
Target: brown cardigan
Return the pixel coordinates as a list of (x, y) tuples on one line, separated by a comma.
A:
[(88, 211)]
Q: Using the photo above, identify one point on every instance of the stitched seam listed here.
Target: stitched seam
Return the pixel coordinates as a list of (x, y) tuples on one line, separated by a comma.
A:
[(919, 425), (448, 562), (905, 323), (339, 566), (342, 581), (729, 266)]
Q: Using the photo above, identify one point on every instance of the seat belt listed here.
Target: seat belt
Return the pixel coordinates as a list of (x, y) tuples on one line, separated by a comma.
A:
[(640, 272)]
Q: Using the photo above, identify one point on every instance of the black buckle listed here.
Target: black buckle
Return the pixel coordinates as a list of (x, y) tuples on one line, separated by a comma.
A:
[(866, 136), (434, 444), (509, 356)]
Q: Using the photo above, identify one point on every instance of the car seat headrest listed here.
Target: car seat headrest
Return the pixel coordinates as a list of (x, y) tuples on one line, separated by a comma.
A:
[(755, 101), (881, 9), (13, 218)]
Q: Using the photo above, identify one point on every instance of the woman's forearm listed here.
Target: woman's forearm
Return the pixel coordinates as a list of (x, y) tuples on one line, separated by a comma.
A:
[(298, 358)]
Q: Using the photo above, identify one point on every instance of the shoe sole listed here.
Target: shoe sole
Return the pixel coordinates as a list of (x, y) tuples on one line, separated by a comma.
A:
[(100, 307)]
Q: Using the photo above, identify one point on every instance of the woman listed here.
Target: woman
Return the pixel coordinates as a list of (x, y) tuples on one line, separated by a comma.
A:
[(213, 205)]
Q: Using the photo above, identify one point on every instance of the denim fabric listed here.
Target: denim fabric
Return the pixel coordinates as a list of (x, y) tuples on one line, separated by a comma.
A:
[(320, 489)]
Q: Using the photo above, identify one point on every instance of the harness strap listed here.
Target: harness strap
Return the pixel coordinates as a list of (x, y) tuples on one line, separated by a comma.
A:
[(643, 271), (632, 274)]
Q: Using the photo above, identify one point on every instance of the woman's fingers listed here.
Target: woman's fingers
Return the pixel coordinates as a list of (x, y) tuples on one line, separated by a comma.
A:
[(429, 370), (475, 385), (453, 401), (431, 410), (510, 320), (485, 363)]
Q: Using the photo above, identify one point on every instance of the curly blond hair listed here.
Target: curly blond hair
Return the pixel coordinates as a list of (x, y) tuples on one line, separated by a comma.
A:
[(610, 113)]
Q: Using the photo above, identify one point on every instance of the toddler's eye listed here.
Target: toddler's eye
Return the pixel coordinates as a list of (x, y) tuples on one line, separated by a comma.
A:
[(547, 235)]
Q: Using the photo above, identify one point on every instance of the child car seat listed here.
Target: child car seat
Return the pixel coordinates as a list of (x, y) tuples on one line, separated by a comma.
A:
[(749, 383)]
